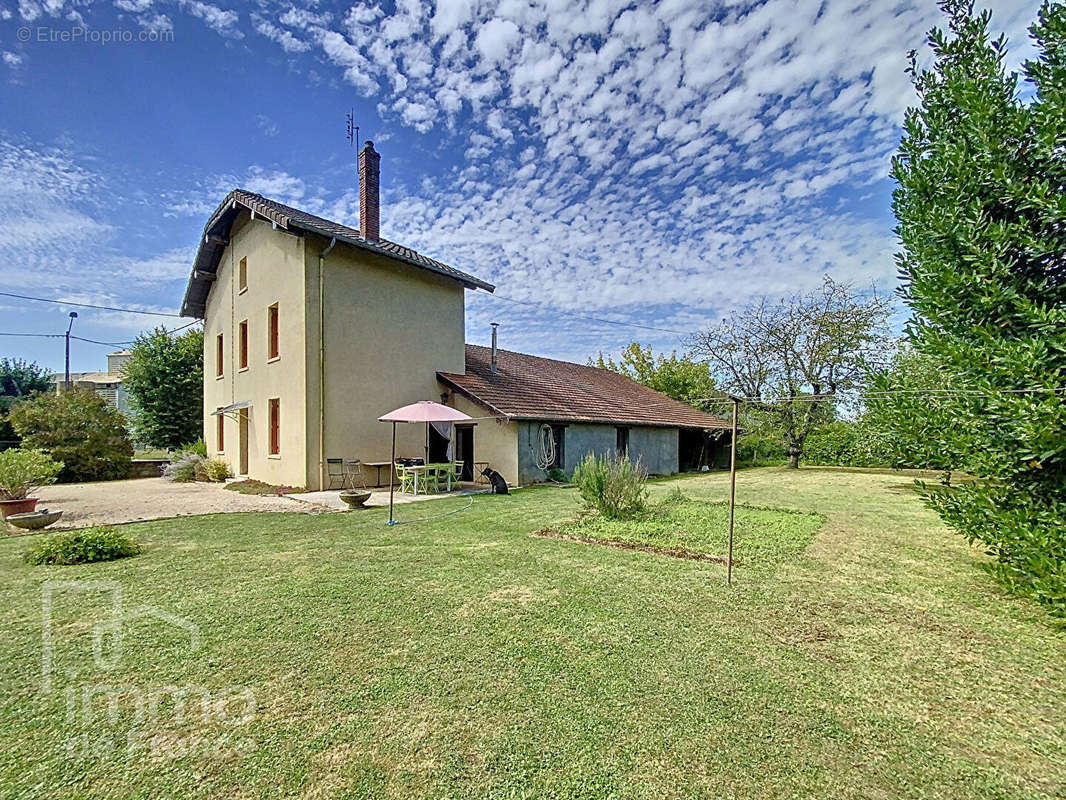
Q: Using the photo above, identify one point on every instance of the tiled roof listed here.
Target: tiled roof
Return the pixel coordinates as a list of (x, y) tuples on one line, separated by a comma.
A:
[(216, 236), (530, 387)]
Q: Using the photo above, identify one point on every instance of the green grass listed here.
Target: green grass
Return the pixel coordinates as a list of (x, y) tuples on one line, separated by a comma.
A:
[(464, 657), (763, 537)]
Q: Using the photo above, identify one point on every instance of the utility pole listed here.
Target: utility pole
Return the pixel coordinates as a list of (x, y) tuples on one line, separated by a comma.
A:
[(732, 488), (66, 380)]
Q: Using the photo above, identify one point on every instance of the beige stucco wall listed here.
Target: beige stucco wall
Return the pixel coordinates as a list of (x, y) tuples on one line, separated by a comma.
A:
[(389, 328), (276, 274), (495, 442)]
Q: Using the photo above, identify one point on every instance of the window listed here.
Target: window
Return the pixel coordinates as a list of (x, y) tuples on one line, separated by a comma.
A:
[(272, 332), (242, 344), (221, 427), (218, 356), (560, 455), (621, 440), (275, 426), (242, 275)]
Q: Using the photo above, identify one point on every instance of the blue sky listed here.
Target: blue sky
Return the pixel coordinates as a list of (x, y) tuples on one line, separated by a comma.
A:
[(648, 164)]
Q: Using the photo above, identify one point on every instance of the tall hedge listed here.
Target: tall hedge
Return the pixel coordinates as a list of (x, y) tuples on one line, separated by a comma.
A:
[(981, 207)]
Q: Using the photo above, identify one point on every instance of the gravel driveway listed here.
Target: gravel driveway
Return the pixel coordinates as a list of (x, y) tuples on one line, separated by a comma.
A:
[(85, 504)]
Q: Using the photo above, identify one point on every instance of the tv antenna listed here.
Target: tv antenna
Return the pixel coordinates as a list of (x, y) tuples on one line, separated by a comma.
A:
[(352, 131)]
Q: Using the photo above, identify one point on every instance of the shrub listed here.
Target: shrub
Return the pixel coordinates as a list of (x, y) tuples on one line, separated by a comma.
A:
[(104, 543), (80, 429), (557, 475), (612, 485), (183, 467), (214, 470), (22, 471), (199, 447)]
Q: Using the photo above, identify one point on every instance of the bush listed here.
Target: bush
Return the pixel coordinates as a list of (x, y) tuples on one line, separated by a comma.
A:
[(80, 429), (199, 447), (214, 470), (557, 475), (104, 543), (612, 485), (22, 471), (183, 467)]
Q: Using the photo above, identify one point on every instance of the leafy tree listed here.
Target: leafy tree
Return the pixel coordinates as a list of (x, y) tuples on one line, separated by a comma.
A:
[(981, 210), (679, 377), (165, 380), (19, 379), (793, 356), (79, 428), (906, 412)]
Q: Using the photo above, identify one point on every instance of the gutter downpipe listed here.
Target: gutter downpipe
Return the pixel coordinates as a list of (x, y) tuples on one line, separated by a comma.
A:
[(322, 361)]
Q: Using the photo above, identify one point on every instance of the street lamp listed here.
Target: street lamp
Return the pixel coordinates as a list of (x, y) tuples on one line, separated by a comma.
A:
[(66, 381)]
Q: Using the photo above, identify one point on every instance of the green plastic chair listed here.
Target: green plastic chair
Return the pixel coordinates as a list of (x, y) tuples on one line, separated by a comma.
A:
[(457, 472), (407, 479), (432, 478)]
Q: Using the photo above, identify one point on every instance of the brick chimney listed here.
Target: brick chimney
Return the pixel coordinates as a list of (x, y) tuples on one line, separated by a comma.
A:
[(369, 177)]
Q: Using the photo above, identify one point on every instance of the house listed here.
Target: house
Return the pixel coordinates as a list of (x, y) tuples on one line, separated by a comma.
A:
[(313, 329), (106, 384), (579, 409)]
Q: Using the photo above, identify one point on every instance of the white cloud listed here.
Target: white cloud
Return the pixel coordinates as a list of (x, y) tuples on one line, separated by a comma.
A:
[(12, 59), (496, 39), (217, 19)]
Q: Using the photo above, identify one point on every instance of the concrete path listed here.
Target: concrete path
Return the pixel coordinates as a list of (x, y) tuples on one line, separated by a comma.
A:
[(378, 497)]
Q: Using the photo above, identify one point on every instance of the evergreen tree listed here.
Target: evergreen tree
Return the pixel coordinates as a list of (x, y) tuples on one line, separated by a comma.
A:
[(981, 208), (165, 379)]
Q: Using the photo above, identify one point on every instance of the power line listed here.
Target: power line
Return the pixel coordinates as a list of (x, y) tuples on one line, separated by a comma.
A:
[(90, 305), (49, 335), (946, 394), (94, 341)]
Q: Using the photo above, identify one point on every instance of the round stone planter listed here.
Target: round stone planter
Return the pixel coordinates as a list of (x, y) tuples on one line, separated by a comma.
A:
[(34, 520), (355, 499), (23, 506)]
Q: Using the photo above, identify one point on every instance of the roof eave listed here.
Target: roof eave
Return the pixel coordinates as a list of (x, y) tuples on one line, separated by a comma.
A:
[(472, 283)]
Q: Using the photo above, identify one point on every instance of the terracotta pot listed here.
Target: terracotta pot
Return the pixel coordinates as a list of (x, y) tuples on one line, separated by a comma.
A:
[(24, 506)]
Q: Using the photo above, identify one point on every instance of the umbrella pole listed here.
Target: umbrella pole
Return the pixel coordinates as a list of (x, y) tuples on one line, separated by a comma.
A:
[(392, 474)]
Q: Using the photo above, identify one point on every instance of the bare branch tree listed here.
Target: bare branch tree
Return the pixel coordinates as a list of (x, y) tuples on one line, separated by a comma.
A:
[(793, 356)]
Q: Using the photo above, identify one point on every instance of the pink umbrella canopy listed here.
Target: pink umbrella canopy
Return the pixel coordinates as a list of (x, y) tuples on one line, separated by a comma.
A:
[(424, 411)]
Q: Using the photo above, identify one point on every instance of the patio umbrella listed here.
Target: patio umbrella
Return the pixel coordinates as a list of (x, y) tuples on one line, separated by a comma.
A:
[(425, 411)]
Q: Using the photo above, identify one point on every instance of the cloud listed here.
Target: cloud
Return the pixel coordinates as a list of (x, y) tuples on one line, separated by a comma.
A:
[(217, 19), (13, 60), (267, 125)]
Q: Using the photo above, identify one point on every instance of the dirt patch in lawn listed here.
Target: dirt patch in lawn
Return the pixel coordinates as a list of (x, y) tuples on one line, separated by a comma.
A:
[(673, 552)]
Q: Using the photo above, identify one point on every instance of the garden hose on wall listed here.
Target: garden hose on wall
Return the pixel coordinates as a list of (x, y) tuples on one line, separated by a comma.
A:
[(545, 452)]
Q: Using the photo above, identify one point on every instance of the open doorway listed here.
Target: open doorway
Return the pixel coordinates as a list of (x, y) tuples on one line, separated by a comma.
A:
[(438, 447), (464, 450)]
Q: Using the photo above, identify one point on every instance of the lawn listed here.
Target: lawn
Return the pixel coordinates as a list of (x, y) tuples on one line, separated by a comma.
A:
[(464, 657), (681, 526)]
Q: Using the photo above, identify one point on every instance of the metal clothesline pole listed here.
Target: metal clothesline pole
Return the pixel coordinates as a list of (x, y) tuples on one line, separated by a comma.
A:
[(732, 489), (392, 473)]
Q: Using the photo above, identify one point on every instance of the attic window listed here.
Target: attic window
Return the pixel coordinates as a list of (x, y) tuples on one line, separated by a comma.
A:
[(242, 275)]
